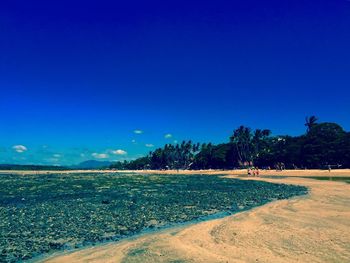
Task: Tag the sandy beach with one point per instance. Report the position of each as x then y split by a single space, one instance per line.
312 228
296 173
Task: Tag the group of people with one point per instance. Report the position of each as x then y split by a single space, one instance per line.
280 166
253 171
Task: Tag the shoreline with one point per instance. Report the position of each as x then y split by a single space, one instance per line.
172 227
238 172
157 230
47 213
305 228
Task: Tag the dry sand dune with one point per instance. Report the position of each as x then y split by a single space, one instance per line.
314 228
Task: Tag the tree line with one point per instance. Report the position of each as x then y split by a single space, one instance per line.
323 145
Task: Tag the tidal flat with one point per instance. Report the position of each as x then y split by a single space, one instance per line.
44 213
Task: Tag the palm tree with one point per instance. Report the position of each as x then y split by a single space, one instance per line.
242 138
310 122
266 132
259 140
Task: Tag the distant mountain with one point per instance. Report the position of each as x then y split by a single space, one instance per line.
92 164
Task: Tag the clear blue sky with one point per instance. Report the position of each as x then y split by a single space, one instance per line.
77 78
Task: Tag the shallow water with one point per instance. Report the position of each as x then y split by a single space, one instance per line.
41 214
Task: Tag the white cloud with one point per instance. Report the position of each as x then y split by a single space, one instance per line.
119 152
175 141
100 155
168 136
20 148
57 155
138 131
133 141
149 145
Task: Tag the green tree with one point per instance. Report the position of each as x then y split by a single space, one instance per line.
310 122
242 139
322 145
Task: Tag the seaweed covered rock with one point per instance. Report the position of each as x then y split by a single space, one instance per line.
45 213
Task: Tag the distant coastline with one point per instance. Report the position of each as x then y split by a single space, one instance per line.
239 172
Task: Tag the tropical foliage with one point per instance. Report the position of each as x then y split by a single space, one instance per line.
323 145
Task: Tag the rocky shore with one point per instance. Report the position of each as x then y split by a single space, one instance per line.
43 213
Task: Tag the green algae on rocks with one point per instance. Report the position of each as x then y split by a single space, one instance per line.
45 213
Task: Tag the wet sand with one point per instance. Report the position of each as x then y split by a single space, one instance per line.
313 228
